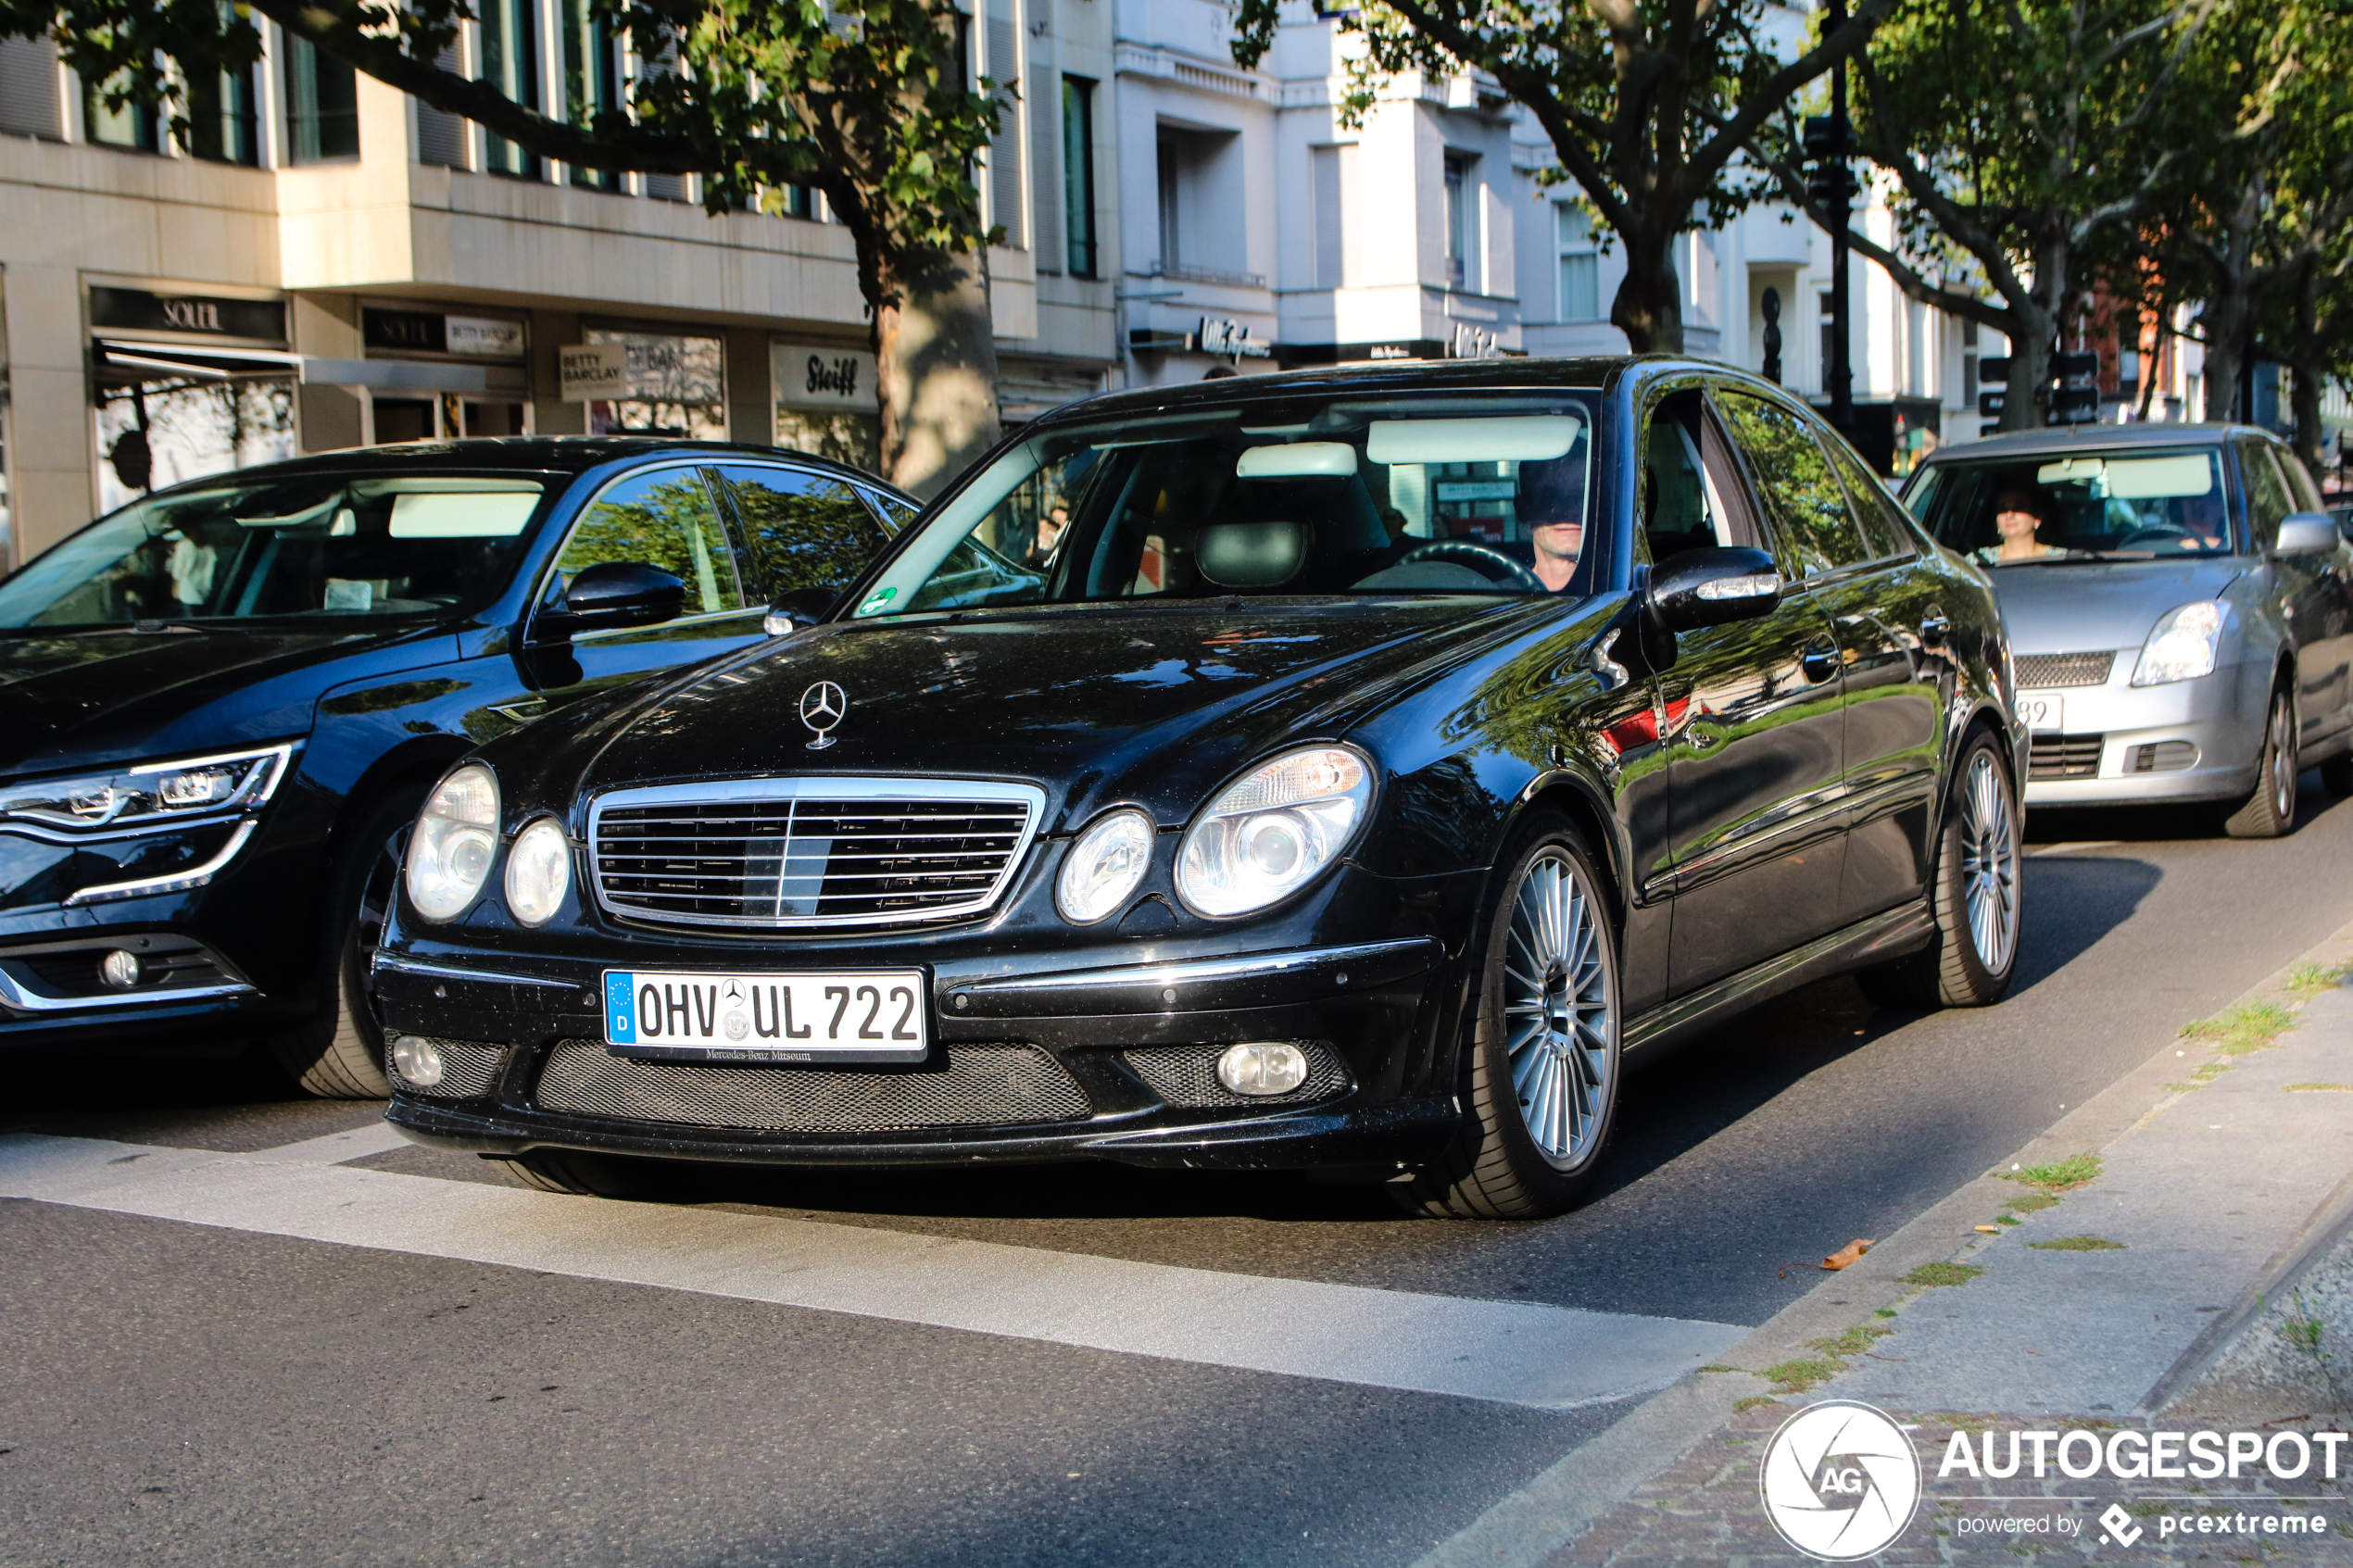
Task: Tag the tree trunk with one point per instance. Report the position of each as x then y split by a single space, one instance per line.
1649 305
2026 396
935 363
2308 368
2225 323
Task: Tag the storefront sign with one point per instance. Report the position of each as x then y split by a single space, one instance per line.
115 310
1291 354
430 331
812 377
593 371
1228 339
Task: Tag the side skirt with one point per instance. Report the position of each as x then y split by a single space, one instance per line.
1866 942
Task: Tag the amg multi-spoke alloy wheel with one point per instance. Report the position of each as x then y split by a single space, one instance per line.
1542 1083
1973 891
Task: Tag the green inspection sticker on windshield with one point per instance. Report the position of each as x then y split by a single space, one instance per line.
876 599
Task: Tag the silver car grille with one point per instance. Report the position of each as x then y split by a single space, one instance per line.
786 854
2042 671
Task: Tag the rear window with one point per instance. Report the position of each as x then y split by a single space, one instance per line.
317 547
2138 503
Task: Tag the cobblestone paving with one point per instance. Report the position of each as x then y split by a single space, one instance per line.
1704 1509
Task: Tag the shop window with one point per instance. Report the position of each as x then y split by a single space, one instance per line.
128 125
855 439
323 106
664 519
801 530
1580 264
509 34
155 432
1078 175
677 386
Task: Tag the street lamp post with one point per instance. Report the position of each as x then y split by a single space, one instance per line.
1829 142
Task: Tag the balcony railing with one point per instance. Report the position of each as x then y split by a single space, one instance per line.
1184 272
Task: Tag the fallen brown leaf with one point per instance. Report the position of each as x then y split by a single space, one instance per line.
1849 1254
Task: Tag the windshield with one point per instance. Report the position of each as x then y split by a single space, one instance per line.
1478 493
2133 505
321 546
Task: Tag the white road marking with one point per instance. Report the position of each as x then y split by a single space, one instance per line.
358 1143
1521 1353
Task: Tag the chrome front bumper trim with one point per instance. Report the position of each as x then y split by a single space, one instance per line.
393 962
1250 980
21 998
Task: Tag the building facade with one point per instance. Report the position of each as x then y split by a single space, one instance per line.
322 263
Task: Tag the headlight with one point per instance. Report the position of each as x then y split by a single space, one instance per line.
538 872
1103 866
2183 647
151 794
1273 830
457 838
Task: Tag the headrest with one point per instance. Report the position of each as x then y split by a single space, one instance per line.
1251 555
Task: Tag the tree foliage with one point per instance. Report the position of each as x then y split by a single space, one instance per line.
1648 105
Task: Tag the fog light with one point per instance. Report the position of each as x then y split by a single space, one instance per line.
120 969
418 1061
1263 1067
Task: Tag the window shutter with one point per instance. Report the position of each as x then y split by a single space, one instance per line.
29 101
441 136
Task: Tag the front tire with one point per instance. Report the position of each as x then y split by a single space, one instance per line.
1543 1078
1975 897
338 1053
2269 812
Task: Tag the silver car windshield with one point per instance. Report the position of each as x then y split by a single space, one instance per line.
319 547
2137 503
1327 496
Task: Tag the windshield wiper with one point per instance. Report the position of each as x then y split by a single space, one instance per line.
2063 557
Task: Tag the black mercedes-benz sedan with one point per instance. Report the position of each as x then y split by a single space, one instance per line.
1345 769
222 706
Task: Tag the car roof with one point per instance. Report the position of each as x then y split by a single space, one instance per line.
1516 373
521 454
2093 438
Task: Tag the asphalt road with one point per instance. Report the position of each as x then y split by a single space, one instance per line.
238 1391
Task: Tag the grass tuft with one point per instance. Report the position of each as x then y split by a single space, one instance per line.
2318 1088
2309 980
2243 1028
2077 1244
1741 1407
1883 1311
1797 1376
2059 1176
1855 1341
2008 1219
2035 1202
1931 1274
1718 1366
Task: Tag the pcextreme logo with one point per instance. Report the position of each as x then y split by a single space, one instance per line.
1840 1480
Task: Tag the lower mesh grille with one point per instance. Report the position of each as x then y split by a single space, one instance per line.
469 1067
2044 670
2064 757
982 1086
1186 1076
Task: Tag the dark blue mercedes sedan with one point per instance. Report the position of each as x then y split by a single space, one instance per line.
222 706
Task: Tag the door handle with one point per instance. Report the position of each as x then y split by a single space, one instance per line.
1934 628
1820 660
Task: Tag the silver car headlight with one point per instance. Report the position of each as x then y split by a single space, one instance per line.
1103 866
456 841
2182 645
538 872
1272 831
147 795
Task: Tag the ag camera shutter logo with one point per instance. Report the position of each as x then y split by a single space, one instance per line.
1840 1480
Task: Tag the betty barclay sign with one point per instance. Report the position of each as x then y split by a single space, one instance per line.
808 376
593 371
1841 1481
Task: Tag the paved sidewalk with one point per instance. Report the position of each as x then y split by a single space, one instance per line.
2195 1271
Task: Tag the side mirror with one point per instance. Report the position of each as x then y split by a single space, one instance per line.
613 593
1711 587
2307 533
801 607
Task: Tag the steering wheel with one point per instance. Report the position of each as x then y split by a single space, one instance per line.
2153 539
1492 563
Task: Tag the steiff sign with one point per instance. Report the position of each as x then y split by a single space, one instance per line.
593 372
807 376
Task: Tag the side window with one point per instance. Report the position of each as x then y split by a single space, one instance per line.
1881 518
896 514
2267 501
663 518
1794 475
1691 496
2303 495
801 530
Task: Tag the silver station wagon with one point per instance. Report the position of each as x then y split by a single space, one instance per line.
2180 607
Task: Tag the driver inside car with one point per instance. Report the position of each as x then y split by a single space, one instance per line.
1552 505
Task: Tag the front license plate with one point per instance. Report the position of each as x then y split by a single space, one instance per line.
824 1015
2040 712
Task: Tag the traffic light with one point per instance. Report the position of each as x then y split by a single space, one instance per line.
2077 399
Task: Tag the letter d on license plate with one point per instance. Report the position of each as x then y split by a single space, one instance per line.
825 1016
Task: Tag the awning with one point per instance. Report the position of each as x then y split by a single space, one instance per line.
219 362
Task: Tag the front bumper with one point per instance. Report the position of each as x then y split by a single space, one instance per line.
1372 1013
2185 741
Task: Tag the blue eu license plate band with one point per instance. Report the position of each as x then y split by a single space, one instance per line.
829 1017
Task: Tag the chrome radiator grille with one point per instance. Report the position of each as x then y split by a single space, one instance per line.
2042 671
778 854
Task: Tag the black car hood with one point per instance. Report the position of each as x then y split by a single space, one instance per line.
75 699
1149 704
